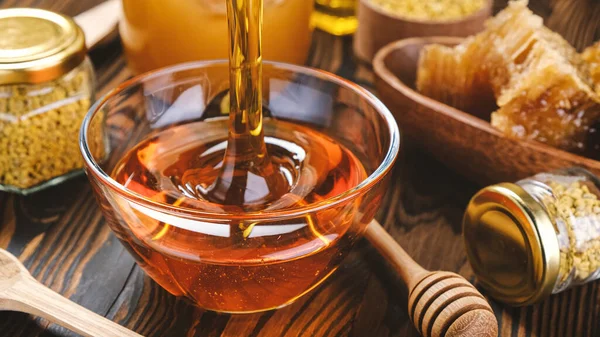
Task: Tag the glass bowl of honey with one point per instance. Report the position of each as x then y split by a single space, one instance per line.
331 143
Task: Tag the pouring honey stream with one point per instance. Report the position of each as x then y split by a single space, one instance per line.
248 177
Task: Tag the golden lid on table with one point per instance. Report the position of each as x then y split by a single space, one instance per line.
538 236
38 45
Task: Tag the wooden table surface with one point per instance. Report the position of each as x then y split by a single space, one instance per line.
63 239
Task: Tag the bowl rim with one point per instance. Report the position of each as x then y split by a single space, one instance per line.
364 186
385 74
485 11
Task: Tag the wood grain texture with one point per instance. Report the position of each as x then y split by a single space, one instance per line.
62 239
471 145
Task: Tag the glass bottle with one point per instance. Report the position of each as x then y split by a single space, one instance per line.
337 17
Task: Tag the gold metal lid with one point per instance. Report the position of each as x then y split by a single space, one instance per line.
38 45
511 244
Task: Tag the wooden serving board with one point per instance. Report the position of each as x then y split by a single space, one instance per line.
63 240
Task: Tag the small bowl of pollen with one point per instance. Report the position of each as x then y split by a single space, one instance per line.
383 21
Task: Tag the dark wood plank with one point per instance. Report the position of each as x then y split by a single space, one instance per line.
63 240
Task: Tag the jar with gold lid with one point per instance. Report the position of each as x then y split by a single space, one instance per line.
46 87
536 237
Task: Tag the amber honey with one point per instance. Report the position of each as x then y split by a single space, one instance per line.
236 169
240 265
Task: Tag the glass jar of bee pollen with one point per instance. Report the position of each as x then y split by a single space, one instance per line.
46 88
536 237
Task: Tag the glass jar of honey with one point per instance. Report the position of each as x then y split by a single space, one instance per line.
157 33
536 237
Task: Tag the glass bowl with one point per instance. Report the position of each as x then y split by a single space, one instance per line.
283 254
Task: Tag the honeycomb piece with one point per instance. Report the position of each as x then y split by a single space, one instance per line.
481 65
547 101
591 55
446 74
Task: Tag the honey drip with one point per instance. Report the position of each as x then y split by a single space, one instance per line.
247 176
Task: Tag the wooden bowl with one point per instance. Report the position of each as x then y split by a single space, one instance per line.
377 28
460 140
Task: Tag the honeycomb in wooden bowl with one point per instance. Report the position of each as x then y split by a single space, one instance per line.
534 84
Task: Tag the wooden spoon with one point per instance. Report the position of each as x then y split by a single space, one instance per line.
440 304
19 291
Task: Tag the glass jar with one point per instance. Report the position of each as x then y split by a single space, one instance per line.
46 88
158 33
536 237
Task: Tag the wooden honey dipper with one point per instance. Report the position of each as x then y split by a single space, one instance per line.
19 291
440 304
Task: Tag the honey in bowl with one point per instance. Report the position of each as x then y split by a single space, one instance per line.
298 166
241 214
249 268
